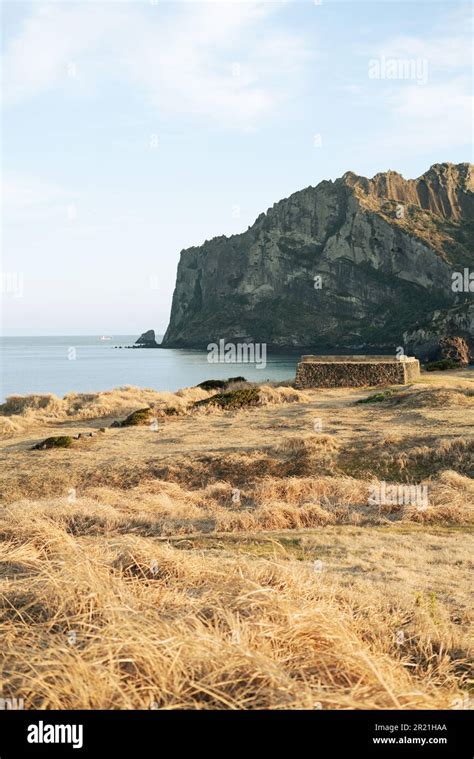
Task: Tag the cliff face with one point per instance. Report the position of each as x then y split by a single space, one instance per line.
353 263
424 339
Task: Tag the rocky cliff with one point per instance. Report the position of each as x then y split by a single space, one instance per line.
424 339
349 264
147 340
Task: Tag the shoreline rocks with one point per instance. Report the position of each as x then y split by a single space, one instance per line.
146 340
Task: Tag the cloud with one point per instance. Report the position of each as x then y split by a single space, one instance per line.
435 112
432 117
220 61
442 53
231 62
26 198
52 37
24 192
446 45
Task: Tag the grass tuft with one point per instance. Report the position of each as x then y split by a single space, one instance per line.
139 417
60 441
234 399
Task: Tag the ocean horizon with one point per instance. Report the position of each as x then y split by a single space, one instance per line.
61 364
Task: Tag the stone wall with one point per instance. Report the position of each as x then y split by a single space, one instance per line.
412 370
355 371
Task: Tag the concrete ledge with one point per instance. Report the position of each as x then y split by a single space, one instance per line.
324 359
355 371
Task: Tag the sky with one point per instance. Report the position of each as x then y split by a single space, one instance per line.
133 130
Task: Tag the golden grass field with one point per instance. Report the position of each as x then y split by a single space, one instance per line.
231 559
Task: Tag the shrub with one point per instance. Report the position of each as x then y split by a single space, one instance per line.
219 384
171 411
142 416
377 398
212 384
234 399
442 365
61 441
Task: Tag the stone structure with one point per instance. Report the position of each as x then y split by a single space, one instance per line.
355 371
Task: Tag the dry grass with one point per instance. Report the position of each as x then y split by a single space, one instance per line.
124 622
21 413
463 395
232 559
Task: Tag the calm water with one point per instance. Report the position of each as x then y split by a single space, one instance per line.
47 365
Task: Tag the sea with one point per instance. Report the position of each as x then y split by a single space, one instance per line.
87 363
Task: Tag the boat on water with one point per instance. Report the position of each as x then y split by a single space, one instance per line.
105 337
